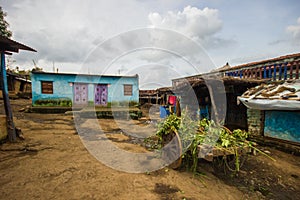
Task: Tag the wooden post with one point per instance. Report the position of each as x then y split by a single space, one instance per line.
260 72
257 73
280 71
285 71
291 70
297 70
11 130
274 72
178 109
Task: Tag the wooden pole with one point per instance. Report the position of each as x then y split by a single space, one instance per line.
291 70
178 109
297 70
11 130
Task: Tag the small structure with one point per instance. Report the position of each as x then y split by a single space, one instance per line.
159 96
79 90
19 85
274 111
148 96
7 46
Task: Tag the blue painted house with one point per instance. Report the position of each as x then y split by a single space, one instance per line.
64 89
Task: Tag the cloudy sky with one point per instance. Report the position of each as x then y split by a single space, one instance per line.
158 39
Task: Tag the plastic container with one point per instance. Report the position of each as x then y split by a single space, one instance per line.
164 111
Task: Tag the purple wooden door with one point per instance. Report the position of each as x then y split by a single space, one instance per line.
80 94
101 94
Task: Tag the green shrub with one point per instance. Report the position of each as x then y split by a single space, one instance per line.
61 102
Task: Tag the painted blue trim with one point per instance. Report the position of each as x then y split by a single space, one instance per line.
265 71
4 75
270 72
283 125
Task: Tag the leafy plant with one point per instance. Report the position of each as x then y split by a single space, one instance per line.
194 133
168 126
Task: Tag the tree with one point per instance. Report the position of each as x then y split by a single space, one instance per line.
4 25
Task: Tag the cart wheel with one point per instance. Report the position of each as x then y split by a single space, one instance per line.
172 149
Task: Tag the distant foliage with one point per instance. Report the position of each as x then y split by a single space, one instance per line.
37 69
4 25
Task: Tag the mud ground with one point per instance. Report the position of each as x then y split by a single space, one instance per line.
53 163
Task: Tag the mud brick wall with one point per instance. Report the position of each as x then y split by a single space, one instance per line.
255 122
3 127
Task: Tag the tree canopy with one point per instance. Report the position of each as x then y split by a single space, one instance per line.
4 25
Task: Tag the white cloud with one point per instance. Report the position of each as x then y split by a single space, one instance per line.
66 32
294 31
200 25
136 50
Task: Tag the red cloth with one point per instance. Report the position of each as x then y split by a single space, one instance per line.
172 100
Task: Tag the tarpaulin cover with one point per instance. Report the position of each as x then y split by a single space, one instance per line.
275 96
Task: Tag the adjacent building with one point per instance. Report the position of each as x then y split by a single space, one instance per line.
19 85
196 96
275 69
236 80
274 110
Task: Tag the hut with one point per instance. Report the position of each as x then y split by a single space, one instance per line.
8 46
19 85
202 105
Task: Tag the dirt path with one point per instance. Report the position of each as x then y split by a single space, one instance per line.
52 163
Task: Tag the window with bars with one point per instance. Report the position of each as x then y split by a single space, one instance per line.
127 90
47 87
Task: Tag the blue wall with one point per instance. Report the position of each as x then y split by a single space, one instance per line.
283 125
63 86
